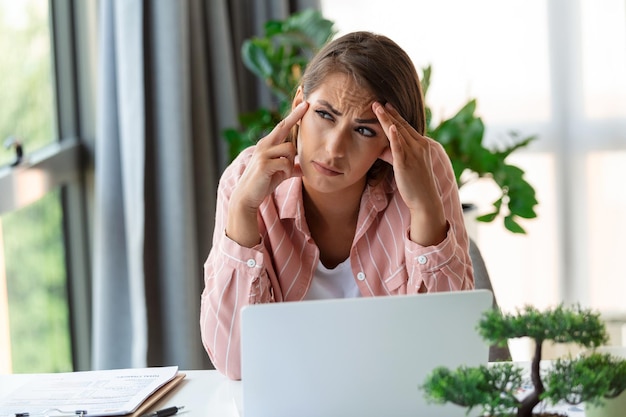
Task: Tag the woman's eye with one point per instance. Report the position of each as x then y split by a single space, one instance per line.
324 114
365 131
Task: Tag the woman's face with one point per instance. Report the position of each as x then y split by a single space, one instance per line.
339 136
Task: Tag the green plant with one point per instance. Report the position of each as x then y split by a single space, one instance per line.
588 378
462 137
279 59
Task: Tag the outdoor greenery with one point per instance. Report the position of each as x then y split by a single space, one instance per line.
589 378
279 59
35 271
26 73
32 236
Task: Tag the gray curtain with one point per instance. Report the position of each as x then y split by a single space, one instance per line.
170 80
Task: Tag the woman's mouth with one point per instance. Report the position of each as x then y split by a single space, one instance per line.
325 169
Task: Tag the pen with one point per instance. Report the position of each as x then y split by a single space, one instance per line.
164 413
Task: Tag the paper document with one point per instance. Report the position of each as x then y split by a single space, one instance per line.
97 393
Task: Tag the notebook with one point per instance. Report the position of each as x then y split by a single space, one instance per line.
361 357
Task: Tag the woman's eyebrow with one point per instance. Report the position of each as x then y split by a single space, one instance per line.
336 112
330 107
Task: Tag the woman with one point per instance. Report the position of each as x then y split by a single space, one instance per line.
344 198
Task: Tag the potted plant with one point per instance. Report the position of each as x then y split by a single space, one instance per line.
592 377
279 58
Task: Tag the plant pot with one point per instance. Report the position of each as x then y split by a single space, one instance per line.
614 407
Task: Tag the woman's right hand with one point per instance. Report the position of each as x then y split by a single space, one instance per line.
272 162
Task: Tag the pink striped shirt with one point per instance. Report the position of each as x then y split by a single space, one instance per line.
383 259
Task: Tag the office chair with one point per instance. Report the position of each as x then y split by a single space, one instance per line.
482 281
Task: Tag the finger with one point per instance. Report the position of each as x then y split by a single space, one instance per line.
281 130
393 113
271 173
396 142
387 112
390 127
398 121
404 128
382 116
389 118
281 150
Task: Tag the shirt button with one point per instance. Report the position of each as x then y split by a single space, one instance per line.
251 263
421 259
360 276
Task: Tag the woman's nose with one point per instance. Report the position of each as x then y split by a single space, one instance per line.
336 143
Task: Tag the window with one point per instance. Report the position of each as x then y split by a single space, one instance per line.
47 108
551 68
26 71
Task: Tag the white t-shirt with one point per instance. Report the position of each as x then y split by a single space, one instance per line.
333 283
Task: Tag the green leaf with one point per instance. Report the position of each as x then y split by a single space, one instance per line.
255 58
588 378
521 207
488 217
425 80
314 28
467 111
517 144
492 388
273 27
513 226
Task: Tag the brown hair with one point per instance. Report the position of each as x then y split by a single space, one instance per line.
378 64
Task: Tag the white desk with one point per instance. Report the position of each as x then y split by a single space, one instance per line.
208 393
202 393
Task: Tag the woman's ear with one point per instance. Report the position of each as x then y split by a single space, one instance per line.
297 98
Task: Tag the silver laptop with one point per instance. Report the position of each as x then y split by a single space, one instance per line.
357 357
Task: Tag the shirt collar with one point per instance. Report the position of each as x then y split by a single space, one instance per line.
288 198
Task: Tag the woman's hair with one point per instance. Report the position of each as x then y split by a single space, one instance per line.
378 64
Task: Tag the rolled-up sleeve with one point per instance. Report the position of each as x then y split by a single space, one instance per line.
446 266
234 276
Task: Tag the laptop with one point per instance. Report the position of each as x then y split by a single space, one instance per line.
360 357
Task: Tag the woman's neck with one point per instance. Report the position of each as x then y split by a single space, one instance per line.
332 207
332 220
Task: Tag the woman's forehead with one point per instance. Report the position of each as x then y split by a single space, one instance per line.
344 93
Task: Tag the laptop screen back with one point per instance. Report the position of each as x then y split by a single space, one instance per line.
357 357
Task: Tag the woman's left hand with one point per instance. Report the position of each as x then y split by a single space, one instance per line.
409 154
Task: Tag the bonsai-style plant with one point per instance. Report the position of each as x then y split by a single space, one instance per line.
590 377
279 59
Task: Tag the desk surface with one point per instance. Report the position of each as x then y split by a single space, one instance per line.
202 393
205 393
